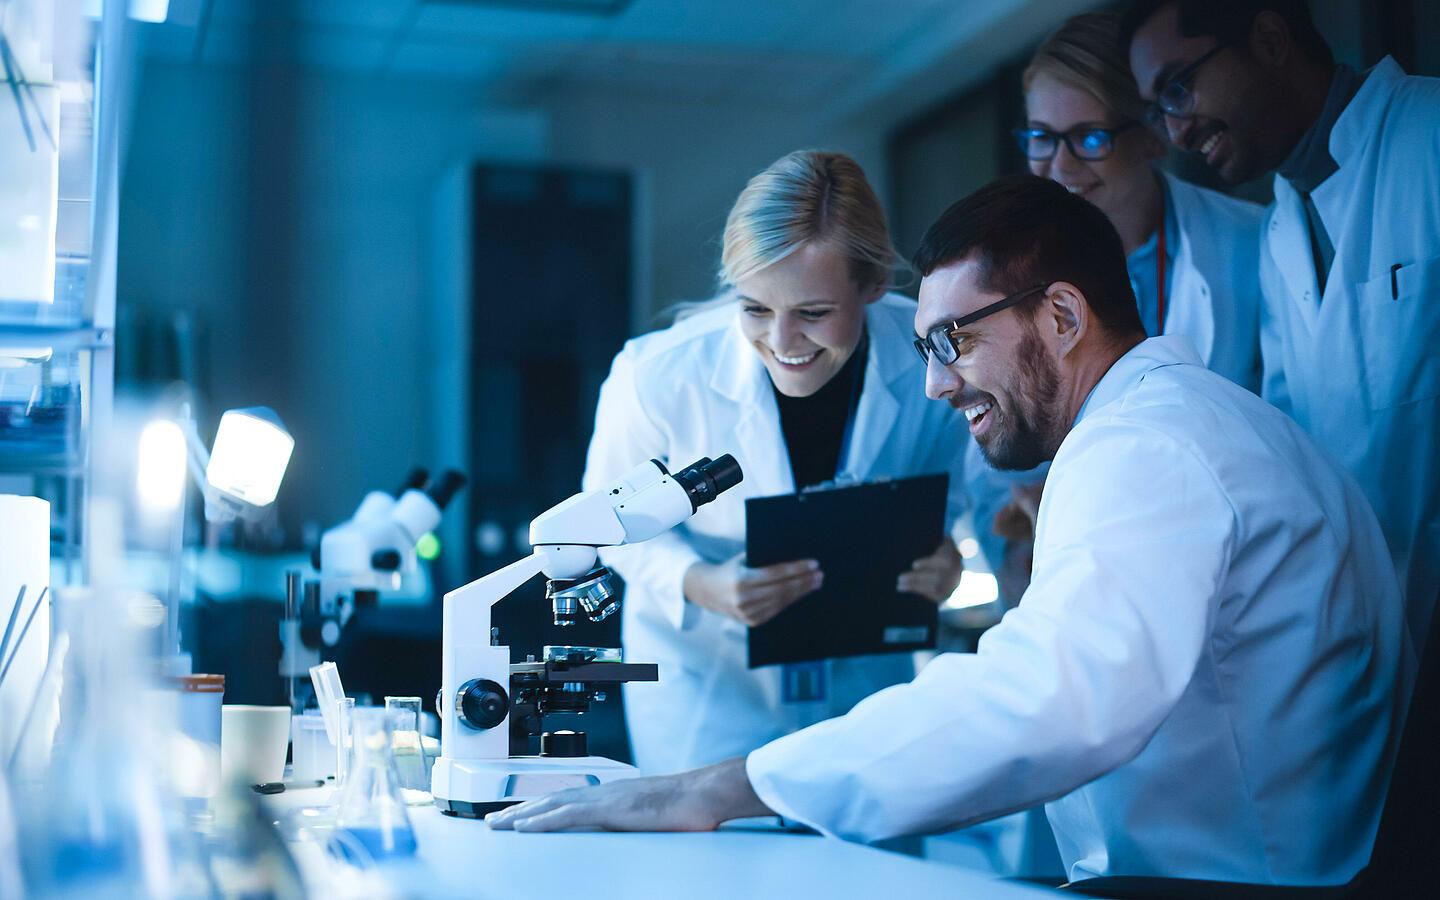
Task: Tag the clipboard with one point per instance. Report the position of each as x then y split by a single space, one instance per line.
864 537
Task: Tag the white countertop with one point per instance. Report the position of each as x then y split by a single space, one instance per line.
464 858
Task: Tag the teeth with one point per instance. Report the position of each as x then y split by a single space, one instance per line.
797 360
1075 189
1210 143
974 412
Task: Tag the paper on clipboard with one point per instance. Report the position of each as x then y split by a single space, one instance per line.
864 537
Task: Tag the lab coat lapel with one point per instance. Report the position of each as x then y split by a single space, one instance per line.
1288 243
1191 311
879 408
740 376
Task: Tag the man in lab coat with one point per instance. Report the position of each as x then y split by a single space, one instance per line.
1205 676
1350 262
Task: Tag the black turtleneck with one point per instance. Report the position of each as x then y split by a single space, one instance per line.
814 426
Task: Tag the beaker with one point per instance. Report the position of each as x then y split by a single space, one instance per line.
370 819
410 756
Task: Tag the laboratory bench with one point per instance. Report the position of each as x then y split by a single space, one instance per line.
464 858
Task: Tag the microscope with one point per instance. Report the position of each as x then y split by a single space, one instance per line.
367 553
485 701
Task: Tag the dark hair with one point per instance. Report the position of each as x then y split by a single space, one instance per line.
1026 231
1229 21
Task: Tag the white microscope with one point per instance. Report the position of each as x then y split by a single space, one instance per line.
356 560
482 695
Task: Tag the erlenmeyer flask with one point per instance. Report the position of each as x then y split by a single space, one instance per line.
370 819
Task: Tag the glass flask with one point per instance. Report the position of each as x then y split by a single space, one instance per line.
370 819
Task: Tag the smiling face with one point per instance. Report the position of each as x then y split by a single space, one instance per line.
1005 379
804 315
1121 180
1239 123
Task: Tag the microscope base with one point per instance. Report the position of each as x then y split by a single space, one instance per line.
473 788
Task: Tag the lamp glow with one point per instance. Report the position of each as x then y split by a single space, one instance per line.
250 454
160 471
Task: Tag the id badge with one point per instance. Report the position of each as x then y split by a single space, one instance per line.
802 682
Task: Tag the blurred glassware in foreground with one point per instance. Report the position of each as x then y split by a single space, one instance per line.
411 761
370 819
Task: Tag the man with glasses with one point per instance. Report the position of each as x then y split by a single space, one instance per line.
1208 591
1350 262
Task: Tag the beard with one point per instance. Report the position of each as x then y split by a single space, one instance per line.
1026 438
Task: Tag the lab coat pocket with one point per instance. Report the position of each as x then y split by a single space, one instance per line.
1400 318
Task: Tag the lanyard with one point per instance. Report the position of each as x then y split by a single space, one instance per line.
1160 272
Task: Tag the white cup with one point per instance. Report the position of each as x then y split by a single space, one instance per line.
252 742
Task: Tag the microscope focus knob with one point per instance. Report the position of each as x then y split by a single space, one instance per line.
481 704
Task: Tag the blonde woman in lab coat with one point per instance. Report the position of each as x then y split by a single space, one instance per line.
804 370
1192 253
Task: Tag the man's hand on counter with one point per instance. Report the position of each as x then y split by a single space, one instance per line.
698 800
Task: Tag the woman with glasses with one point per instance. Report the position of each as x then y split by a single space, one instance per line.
1192 253
804 370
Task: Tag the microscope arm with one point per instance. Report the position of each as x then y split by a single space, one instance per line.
467 609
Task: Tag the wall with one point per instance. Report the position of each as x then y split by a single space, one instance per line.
290 213
693 159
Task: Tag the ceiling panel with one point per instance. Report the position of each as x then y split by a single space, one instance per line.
840 55
871 28
678 72
715 22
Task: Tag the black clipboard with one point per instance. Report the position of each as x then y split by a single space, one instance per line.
864 537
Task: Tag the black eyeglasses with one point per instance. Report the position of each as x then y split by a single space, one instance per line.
1175 97
940 340
1089 142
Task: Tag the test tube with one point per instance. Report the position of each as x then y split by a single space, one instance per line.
344 729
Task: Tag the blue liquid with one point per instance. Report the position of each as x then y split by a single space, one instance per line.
379 843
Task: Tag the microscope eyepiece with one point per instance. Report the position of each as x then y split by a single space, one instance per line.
450 484
706 479
416 480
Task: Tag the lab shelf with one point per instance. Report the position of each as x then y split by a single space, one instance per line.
57 337
57 357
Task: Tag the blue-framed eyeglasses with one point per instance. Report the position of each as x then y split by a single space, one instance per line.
940 340
1090 142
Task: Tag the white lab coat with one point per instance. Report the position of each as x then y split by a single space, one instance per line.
699 389
1203 680
1213 299
1359 368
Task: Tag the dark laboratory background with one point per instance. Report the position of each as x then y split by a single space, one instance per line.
421 230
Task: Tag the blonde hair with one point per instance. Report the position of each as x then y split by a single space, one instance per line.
1085 53
806 196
